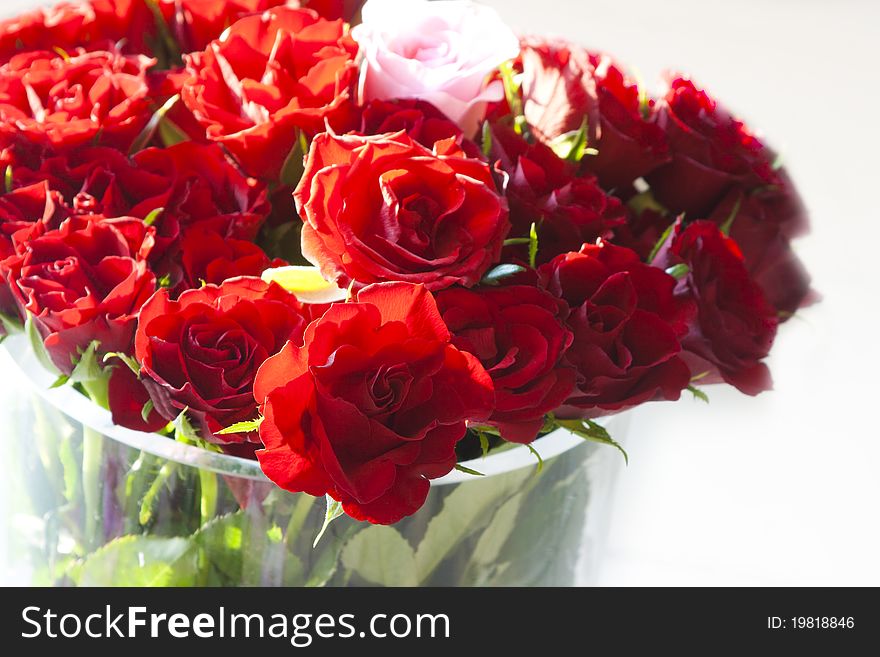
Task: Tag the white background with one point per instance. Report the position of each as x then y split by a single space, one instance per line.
782 489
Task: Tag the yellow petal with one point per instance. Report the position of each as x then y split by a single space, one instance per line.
306 283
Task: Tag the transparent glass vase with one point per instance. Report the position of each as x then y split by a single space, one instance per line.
92 504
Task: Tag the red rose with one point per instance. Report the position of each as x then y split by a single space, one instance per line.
76 24
347 10
763 224
271 75
711 150
371 406
192 183
386 208
25 206
64 101
644 227
543 189
202 351
208 257
735 324
518 334
422 121
626 324
81 282
565 85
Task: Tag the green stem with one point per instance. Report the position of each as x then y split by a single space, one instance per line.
146 512
208 490
91 481
300 512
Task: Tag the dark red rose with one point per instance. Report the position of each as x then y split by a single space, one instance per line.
128 397
202 351
83 281
762 223
643 229
208 257
626 324
386 208
711 151
370 407
518 334
543 189
193 184
735 324
566 87
270 76
347 10
422 121
65 101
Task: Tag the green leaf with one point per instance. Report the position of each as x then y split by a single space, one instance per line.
294 163
660 242
60 381
146 135
466 510
646 201
129 361
462 468
698 394
497 274
88 368
241 427
572 146
678 271
512 85
537 456
8 178
138 561
11 324
533 244
146 410
503 523
701 375
171 54
382 556
146 511
728 223
170 133
484 442
36 341
590 430
514 241
334 510
150 219
184 431
487 139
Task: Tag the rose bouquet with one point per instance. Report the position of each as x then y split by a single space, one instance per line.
357 257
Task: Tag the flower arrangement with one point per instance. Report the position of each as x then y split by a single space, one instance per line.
361 255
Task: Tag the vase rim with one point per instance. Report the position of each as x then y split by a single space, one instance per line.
74 405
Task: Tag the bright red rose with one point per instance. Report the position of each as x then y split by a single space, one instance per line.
735 324
370 407
83 281
422 121
202 351
268 77
23 207
517 332
565 85
208 257
626 324
70 25
386 208
64 101
543 189
762 225
712 152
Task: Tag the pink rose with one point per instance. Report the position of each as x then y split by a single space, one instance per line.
441 52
